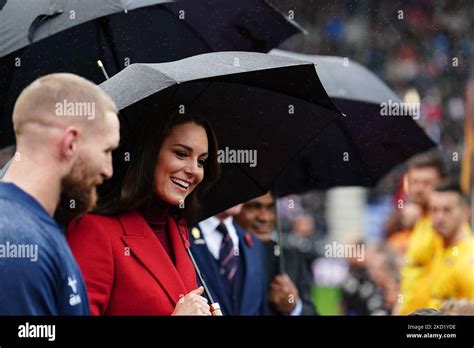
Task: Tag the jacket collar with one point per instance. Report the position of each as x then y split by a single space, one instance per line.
207 263
175 279
210 269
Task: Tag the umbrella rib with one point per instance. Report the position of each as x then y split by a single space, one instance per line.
238 166
149 67
355 149
108 38
209 83
292 22
205 43
263 189
307 143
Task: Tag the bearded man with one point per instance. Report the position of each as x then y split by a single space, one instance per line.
66 128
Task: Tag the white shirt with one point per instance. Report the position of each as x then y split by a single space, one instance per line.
214 238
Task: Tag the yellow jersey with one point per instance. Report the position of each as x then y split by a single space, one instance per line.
452 274
424 243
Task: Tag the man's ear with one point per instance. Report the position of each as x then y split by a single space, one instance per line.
69 142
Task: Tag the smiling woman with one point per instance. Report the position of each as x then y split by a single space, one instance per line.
132 249
184 149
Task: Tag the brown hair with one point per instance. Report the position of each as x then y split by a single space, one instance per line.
452 185
429 160
133 186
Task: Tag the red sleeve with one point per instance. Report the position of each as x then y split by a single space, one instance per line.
90 244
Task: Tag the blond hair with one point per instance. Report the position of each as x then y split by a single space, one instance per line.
60 100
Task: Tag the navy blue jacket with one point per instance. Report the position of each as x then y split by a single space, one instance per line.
38 274
253 296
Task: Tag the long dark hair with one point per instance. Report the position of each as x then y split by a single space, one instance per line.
132 187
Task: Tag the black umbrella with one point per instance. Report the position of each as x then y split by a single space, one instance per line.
45 36
246 97
357 149
361 147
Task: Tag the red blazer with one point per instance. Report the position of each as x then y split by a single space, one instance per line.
126 270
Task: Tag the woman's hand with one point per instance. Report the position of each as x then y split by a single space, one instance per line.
192 304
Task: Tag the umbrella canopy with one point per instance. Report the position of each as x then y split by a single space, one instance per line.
359 148
246 97
343 78
23 23
45 36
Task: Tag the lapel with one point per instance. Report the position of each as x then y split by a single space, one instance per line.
250 297
146 247
210 270
180 242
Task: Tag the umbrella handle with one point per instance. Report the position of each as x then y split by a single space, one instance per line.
216 309
281 258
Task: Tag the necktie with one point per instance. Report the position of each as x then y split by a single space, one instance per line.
227 258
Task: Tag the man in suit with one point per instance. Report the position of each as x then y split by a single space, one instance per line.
289 293
232 262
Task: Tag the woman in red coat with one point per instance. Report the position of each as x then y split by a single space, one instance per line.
131 251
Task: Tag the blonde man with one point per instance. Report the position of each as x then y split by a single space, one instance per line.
66 128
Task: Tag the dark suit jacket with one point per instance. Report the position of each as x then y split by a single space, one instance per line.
297 269
254 299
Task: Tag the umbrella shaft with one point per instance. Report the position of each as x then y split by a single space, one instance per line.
201 278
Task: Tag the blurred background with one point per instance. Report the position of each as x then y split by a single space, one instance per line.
424 50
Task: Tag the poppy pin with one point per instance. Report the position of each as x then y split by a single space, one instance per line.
248 239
